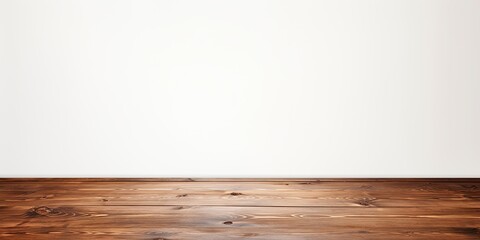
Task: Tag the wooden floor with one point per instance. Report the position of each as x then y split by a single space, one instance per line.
326 209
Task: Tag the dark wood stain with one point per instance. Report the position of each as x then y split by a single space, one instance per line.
261 209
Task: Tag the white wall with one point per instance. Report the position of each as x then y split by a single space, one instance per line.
250 88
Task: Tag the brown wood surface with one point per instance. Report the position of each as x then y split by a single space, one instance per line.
186 208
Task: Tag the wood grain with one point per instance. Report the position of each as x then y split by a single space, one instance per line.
239 208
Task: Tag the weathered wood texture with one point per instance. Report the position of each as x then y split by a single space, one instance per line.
330 209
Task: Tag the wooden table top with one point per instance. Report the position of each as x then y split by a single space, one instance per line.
210 209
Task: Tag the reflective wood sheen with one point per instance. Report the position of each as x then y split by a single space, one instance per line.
186 208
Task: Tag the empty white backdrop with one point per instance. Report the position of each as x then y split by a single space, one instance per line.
251 88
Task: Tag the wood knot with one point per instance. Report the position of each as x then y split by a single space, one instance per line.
47 196
182 195
181 207
366 202
41 212
236 194
104 200
228 222
44 211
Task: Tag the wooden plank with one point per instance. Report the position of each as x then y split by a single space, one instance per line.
235 234
76 211
467 186
206 219
315 194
